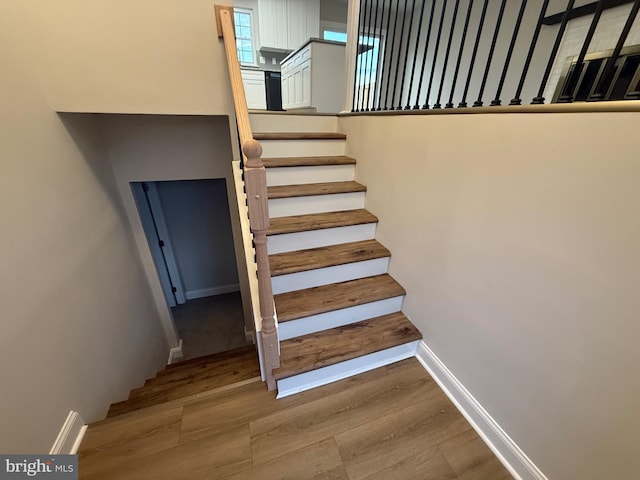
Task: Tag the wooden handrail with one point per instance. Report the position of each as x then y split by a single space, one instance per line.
255 178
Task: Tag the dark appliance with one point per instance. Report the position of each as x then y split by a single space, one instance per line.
274 90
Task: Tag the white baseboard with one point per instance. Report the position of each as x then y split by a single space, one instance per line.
70 436
507 451
208 292
175 354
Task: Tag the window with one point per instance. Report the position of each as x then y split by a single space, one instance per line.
334 36
244 41
623 83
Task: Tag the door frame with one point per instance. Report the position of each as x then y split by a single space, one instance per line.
160 244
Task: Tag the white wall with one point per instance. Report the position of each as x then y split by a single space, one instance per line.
79 326
199 224
162 147
518 241
145 56
333 11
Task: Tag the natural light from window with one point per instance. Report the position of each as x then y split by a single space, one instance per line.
334 36
244 41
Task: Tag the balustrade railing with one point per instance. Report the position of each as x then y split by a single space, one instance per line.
419 54
255 182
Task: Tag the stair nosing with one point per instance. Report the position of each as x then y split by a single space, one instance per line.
314 189
360 211
299 136
333 260
284 316
317 161
400 321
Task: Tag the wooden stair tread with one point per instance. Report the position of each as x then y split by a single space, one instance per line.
192 378
307 161
212 358
319 221
328 347
300 136
193 366
309 189
327 298
322 257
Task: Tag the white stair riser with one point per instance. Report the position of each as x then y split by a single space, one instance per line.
328 275
337 318
288 242
348 368
301 148
284 207
274 123
304 175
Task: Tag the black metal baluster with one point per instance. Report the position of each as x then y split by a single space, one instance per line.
571 84
446 56
393 41
395 83
604 84
496 101
361 59
483 15
355 74
462 42
382 63
372 95
415 55
424 54
478 103
527 63
435 53
406 54
539 99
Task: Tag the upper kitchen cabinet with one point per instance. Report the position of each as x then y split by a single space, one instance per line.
287 24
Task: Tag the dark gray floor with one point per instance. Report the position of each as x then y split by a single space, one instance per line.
210 324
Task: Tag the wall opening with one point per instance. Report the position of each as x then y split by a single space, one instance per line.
188 227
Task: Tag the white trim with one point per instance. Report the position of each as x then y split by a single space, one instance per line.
76 444
208 292
175 354
507 451
163 233
348 368
353 17
70 435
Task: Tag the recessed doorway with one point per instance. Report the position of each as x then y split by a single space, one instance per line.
188 228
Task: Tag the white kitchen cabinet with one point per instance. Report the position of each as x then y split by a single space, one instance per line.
314 77
287 24
273 15
254 90
304 22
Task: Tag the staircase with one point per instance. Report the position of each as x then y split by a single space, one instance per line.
339 311
181 381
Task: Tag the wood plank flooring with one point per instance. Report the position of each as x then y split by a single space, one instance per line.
327 298
192 377
322 257
392 423
318 221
